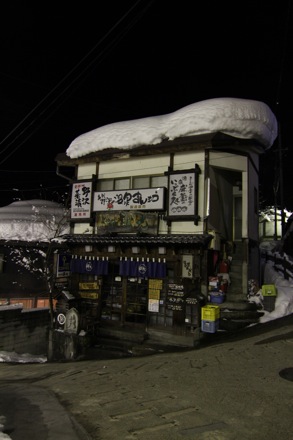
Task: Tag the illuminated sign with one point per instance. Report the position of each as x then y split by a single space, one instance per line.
81 200
130 199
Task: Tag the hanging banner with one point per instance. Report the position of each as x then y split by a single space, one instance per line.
142 269
81 200
90 267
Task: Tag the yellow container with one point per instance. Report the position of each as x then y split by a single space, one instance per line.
210 313
269 290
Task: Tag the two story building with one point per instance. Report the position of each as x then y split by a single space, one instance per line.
158 207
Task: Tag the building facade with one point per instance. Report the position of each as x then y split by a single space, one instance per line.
151 226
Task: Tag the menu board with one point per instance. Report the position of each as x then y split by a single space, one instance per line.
175 296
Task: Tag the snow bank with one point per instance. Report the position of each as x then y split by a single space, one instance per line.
284 299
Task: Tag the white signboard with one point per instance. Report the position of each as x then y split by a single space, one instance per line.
187 266
130 199
81 200
181 194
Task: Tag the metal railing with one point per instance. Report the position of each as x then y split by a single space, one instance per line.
282 263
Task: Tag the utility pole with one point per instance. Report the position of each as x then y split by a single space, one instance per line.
280 154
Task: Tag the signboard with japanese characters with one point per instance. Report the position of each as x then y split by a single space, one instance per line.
175 297
183 194
147 199
187 266
81 200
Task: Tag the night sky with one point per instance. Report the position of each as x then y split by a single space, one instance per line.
67 69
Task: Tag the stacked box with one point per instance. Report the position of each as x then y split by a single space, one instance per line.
209 326
210 312
210 316
269 293
269 290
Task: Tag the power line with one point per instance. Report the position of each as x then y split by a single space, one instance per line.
38 114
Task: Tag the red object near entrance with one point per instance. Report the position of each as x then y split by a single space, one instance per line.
224 267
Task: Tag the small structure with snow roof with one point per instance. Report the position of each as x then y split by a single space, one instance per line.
26 230
167 203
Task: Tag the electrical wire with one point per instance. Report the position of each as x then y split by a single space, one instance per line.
38 114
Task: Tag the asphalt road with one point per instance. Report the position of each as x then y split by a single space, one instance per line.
233 387
30 412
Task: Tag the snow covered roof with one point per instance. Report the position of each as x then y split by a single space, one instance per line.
28 209
32 220
240 118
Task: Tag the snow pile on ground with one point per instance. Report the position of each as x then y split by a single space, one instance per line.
284 298
240 118
24 358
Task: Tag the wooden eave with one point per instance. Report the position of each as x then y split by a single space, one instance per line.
168 240
188 143
23 243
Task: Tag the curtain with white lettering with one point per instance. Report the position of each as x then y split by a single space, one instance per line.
142 269
90 266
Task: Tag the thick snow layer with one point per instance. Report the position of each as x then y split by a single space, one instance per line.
241 118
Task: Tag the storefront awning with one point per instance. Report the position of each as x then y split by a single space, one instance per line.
197 240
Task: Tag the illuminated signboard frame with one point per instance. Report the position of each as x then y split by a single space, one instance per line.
146 199
183 195
81 200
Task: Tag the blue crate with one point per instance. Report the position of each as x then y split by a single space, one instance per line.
209 326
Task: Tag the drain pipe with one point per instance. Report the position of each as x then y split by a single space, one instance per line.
62 175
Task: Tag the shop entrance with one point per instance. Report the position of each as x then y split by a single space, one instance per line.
136 300
124 299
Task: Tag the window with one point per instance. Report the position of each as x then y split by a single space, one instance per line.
112 184
141 182
149 182
159 181
105 185
134 183
122 183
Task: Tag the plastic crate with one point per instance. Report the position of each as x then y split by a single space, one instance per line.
210 313
269 290
217 297
209 326
269 303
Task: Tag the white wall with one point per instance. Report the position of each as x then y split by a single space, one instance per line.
134 167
